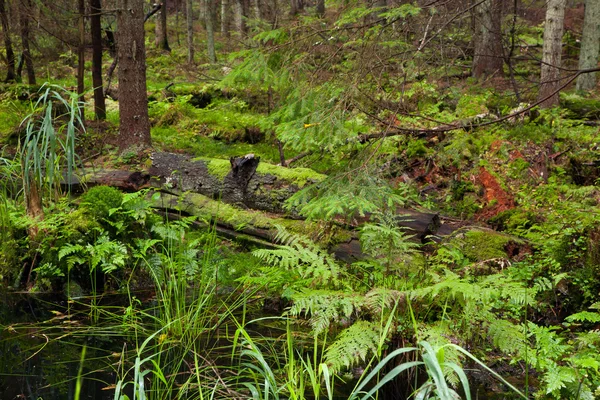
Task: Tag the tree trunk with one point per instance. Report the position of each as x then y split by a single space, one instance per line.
225 17
590 45
96 31
210 30
190 29
162 41
240 15
10 55
134 129
257 10
321 8
488 58
27 59
81 56
552 53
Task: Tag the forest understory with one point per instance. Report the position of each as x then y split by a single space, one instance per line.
350 202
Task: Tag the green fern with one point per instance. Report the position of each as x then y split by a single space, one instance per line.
324 307
352 346
301 255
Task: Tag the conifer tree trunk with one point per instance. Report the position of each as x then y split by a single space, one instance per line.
189 10
240 15
590 45
161 39
81 55
96 33
134 128
488 58
24 12
257 10
225 17
552 53
10 55
210 30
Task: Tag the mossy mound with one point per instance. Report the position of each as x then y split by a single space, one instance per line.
480 244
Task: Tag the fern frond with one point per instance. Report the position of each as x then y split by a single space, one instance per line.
324 306
508 337
352 346
301 255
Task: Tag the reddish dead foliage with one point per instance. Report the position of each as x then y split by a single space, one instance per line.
497 199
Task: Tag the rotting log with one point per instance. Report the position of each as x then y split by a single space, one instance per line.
243 181
259 228
255 227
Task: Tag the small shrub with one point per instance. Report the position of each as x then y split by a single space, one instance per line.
99 200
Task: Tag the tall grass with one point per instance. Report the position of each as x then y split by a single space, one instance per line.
49 144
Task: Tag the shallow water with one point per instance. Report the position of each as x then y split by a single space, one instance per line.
40 355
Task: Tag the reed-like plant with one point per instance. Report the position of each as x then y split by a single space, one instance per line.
48 148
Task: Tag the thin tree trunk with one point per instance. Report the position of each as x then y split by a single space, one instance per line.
81 56
257 10
96 31
210 30
162 41
240 15
134 128
10 55
27 59
488 58
552 53
190 29
225 17
590 45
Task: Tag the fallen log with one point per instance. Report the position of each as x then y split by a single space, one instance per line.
242 181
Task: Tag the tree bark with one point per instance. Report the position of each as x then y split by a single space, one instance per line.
225 17
210 30
488 58
257 10
96 33
81 56
10 55
190 29
590 45
134 129
162 41
240 15
27 59
552 53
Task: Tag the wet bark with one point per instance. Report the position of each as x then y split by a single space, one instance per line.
10 55
134 129
488 58
24 12
96 33
590 45
552 53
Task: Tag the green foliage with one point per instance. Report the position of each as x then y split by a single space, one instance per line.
46 150
387 242
307 262
346 196
100 200
352 346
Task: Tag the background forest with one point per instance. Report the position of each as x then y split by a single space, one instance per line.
335 199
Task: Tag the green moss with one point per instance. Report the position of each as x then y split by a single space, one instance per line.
298 176
217 167
99 200
481 245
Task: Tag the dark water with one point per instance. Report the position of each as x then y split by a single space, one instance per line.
42 339
40 353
